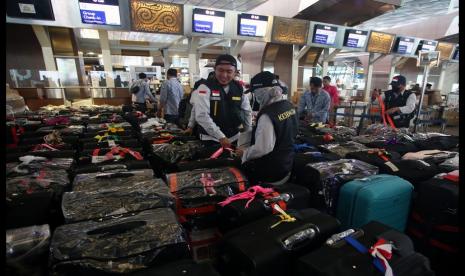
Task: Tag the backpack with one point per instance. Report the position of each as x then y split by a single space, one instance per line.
135 88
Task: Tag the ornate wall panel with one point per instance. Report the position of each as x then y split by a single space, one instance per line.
380 42
290 31
445 49
149 16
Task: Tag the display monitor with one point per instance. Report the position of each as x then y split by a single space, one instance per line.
355 38
456 53
33 9
208 21
427 45
380 42
404 45
252 25
324 34
100 12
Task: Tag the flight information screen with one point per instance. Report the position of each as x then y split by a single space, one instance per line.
405 45
100 12
208 21
355 38
324 34
252 25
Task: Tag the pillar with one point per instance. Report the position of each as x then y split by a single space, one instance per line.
369 76
325 62
294 71
106 56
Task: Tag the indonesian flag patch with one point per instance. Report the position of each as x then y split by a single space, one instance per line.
202 92
215 93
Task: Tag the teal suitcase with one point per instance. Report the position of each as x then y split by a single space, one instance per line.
383 198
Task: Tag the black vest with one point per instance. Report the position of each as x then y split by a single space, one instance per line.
225 109
278 163
390 101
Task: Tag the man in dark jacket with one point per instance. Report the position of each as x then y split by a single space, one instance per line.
400 103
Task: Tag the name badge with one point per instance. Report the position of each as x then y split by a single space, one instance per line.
215 98
236 98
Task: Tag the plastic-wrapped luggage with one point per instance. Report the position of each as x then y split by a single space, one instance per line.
413 171
383 198
104 180
198 191
343 258
257 203
109 155
342 149
434 223
125 244
438 143
185 267
14 157
401 147
325 178
301 159
269 245
30 164
175 152
434 156
112 201
124 143
103 167
450 164
27 250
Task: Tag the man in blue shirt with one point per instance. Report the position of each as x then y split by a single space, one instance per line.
171 93
138 99
314 104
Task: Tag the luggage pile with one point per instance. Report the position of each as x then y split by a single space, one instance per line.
112 192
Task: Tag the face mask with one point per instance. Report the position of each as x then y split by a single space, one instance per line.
395 88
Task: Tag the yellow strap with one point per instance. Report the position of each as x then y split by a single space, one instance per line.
99 138
285 217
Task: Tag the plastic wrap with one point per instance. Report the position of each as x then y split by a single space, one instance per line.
435 156
22 243
113 178
450 164
342 149
173 153
119 245
54 180
199 184
32 164
116 200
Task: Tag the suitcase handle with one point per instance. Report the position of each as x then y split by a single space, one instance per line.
112 167
301 238
117 229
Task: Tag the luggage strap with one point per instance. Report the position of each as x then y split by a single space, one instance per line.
384 115
249 194
381 251
111 154
41 146
284 217
217 153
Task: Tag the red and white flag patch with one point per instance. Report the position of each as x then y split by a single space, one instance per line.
202 92
215 93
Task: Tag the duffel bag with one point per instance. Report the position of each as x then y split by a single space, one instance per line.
117 200
352 255
126 244
269 245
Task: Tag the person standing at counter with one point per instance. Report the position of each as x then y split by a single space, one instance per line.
220 106
171 93
140 91
314 104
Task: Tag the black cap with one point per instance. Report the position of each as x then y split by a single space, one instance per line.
399 80
263 79
226 59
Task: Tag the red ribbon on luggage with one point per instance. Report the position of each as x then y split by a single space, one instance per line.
384 115
217 153
383 250
249 194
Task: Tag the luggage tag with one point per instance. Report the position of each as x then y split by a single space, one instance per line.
391 165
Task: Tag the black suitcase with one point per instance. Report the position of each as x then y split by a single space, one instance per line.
324 180
91 135
41 147
342 149
126 244
109 155
304 158
413 171
126 143
104 180
14 157
376 157
207 163
14 169
438 142
344 259
185 267
92 139
124 165
113 201
70 139
236 214
258 249
399 147
434 223
27 250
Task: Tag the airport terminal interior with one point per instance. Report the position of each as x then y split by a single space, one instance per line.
232 137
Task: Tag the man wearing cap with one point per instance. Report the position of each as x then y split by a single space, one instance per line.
315 103
220 106
271 154
399 102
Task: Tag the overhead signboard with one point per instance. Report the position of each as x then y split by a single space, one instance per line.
290 31
208 21
149 16
427 45
404 46
252 25
380 42
355 38
445 49
30 9
101 12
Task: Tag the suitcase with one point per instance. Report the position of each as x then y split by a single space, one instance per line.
103 180
70 139
105 139
450 164
14 157
198 191
125 143
207 163
186 267
413 171
125 244
109 155
14 169
431 156
377 157
113 201
236 214
399 147
438 142
324 179
342 149
27 250
304 158
40 148
258 249
434 223
344 259
383 198
176 152
124 165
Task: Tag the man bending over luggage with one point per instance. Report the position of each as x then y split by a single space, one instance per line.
270 157
314 104
400 103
